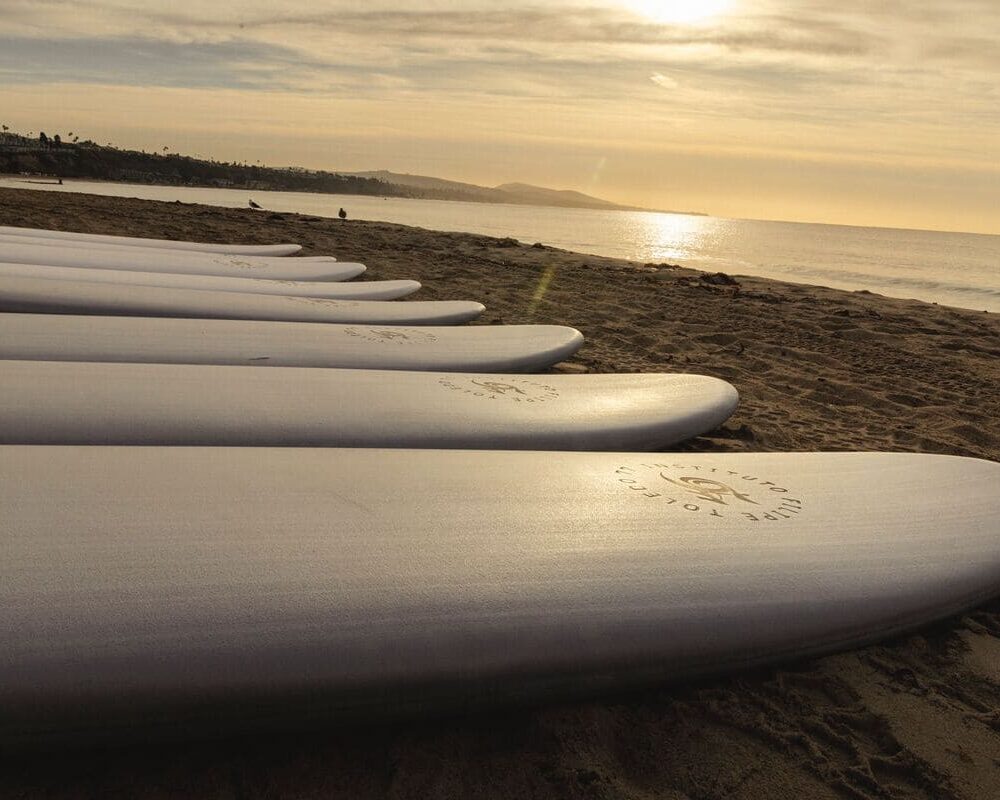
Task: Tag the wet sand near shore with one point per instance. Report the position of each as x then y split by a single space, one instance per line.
917 716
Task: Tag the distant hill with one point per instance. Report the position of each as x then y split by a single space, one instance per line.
567 198
539 195
516 193
65 158
425 182
59 158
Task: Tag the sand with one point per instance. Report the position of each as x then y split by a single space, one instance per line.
818 369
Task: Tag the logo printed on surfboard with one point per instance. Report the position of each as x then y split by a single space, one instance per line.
229 261
517 390
392 335
273 282
324 302
712 491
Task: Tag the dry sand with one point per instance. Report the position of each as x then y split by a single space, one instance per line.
817 369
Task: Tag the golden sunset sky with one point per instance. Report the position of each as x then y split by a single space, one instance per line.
847 111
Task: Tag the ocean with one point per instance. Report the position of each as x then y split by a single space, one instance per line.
955 269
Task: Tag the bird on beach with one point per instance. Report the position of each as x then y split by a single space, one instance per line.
342 214
255 205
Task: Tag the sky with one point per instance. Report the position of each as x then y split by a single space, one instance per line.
866 112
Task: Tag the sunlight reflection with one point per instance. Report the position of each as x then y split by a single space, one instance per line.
671 237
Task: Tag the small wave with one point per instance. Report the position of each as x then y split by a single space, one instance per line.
899 282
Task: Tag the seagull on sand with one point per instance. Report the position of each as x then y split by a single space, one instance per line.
342 214
254 205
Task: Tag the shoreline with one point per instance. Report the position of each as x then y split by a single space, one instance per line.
362 174
8 176
929 268
916 716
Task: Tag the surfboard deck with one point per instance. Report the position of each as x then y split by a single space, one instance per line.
165 244
358 290
149 584
494 348
50 402
45 296
146 259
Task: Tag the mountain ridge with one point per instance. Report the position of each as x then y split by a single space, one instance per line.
516 193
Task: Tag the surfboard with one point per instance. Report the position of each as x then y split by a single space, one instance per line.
146 259
52 402
40 295
493 348
359 290
165 244
199 585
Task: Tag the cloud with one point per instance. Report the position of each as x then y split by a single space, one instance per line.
600 32
901 82
663 81
807 72
151 62
474 23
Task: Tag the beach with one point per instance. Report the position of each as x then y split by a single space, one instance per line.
917 716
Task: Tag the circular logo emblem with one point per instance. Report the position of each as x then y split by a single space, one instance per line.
392 336
694 488
515 390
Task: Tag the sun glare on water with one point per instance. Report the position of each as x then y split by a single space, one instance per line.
679 12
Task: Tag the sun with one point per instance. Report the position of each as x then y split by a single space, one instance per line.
679 12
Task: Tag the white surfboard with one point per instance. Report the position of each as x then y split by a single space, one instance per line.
146 259
40 295
140 583
165 244
52 402
493 348
359 290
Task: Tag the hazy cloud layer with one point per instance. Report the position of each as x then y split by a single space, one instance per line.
906 85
